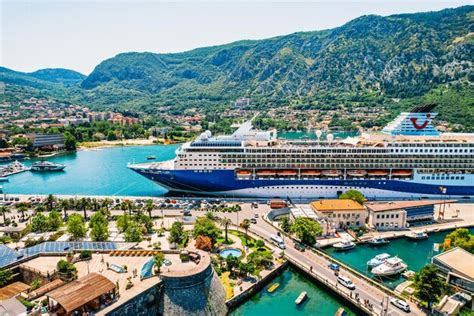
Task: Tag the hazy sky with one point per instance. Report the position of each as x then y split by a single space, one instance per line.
78 35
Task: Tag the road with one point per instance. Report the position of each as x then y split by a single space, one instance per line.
319 264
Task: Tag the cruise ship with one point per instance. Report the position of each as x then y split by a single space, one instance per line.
408 159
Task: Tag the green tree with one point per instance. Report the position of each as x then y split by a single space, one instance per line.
123 222
76 226
50 201
246 225
39 223
176 233
127 205
306 230
54 220
22 207
4 211
69 141
159 260
99 227
64 205
353 195
81 205
5 276
285 224
225 222
40 208
206 227
133 233
429 286
107 203
146 222
66 270
462 238
149 206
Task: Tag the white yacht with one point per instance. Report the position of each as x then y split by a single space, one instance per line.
390 267
417 235
378 260
378 241
344 245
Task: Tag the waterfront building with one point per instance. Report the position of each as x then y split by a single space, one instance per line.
393 215
457 266
47 141
404 162
342 212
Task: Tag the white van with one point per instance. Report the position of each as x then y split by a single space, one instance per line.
277 240
400 304
346 282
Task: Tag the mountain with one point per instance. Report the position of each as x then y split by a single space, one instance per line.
399 56
372 61
44 78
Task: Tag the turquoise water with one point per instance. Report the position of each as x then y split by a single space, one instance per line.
94 172
282 301
230 252
416 254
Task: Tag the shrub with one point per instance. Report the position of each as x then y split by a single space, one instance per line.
85 254
204 243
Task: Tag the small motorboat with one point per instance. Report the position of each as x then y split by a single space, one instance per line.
340 312
378 241
378 260
151 157
3 179
344 245
417 235
301 298
273 287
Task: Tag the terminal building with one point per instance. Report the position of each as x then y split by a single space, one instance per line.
47 141
457 266
395 215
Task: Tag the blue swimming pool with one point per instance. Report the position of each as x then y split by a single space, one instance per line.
230 252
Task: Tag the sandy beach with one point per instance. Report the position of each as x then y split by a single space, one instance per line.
125 142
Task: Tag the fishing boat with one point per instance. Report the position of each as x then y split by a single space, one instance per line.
301 298
378 260
344 245
272 288
357 173
151 157
390 267
417 235
378 241
340 312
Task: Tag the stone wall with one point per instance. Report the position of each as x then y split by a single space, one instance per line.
197 294
144 304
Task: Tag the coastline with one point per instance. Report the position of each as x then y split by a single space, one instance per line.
123 143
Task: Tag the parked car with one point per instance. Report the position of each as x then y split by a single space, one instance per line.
345 281
253 220
400 304
334 266
300 247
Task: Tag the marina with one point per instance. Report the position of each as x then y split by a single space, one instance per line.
292 283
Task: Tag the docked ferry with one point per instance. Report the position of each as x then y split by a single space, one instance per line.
408 159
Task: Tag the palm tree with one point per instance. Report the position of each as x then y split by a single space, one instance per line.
4 210
95 205
127 205
64 205
225 222
149 206
82 205
40 208
50 200
107 203
246 225
22 207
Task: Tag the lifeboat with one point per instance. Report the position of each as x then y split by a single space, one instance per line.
286 172
357 173
401 173
310 172
377 173
266 173
331 173
244 172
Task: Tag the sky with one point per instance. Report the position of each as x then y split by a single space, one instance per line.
79 35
